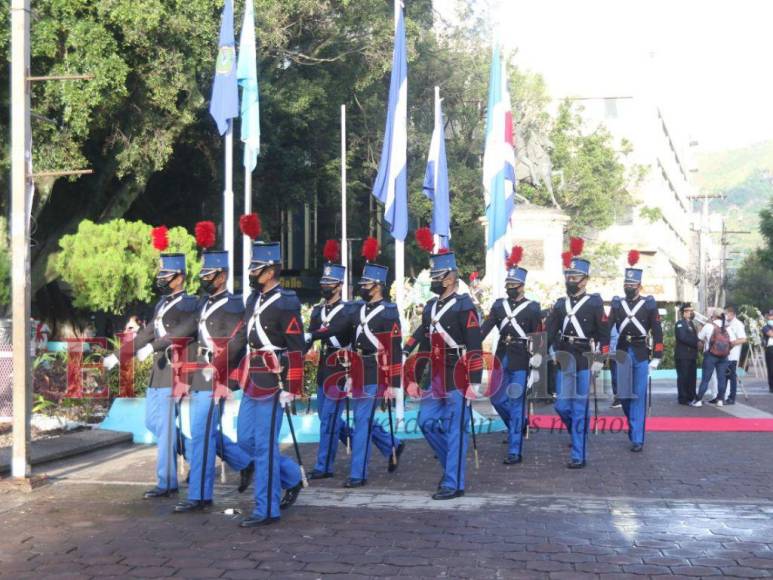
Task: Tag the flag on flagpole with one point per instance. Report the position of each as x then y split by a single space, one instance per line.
436 179
247 76
499 154
224 104
390 187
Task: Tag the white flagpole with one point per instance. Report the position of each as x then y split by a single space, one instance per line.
344 243
436 238
246 241
228 203
400 281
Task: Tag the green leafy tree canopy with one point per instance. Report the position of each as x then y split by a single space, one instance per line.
109 266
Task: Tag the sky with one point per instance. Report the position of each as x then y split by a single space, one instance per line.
707 63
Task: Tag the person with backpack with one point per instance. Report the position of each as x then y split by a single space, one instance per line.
717 339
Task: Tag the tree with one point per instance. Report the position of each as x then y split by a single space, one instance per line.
752 283
112 265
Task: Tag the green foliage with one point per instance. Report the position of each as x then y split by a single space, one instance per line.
605 258
108 266
752 283
5 277
651 214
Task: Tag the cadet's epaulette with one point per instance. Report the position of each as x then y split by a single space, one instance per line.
615 302
317 309
535 307
189 303
289 300
235 304
251 299
560 302
464 302
650 302
596 300
390 310
353 306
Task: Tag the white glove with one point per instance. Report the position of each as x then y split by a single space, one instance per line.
390 393
533 377
207 373
473 391
307 336
144 352
110 361
285 398
535 360
654 363
596 366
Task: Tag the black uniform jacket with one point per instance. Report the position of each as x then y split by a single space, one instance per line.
511 344
630 334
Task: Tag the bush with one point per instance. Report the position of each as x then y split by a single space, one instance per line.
112 265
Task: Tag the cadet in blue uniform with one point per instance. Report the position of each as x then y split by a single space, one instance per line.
331 324
515 317
272 330
577 328
220 315
173 318
636 317
450 333
377 339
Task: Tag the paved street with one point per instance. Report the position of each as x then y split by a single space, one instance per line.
692 505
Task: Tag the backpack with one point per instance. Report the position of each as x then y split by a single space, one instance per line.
719 344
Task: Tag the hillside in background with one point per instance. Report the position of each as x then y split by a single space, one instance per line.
745 178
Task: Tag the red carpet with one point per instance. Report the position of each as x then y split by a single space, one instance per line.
694 424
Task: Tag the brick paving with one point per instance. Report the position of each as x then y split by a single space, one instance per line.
692 505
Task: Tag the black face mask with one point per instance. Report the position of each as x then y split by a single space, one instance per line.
254 284
572 288
630 293
208 286
514 293
436 287
364 293
163 285
327 292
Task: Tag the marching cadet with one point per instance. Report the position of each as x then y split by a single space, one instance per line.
516 317
577 327
376 342
450 333
636 317
331 324
220 315
174 318
272 330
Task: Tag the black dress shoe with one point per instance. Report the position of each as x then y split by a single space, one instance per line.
192 506
637 447
257 522
730 402
512 459
320 474
448 493
291 495
355 482
156 493
245 477
393 465
575 464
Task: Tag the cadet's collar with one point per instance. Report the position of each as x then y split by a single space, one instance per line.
171 297
517 301
270 292
372 305
332 304
218 295
576 298
447 298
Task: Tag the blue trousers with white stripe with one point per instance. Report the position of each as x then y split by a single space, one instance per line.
366 430
635 403
161 420
332 428
509 401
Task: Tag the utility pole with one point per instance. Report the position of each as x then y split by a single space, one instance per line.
21 183
722 291
703 259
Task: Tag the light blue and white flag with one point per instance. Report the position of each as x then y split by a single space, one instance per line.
224 104
436 180
247 75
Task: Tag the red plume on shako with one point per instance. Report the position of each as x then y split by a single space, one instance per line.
160 237
633 257
424 239
516 255
332 251
250 225
205 234
566 257
576 246
370 249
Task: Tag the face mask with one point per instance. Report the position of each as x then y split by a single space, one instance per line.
208 286
163 285
513 293
770 322
364 293
436 287
692 316
254 284
630 293
572 287
327 292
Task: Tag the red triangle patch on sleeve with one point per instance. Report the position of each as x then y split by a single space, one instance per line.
294 327
395 329
472 320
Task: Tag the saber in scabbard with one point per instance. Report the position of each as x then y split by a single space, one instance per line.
295 445
474 438
595 406
649 396
392 431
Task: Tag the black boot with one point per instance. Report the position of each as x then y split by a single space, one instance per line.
447 493
355 482
156 493
576 464
512 459
257 522
320 474
290 496
245 477
192 506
